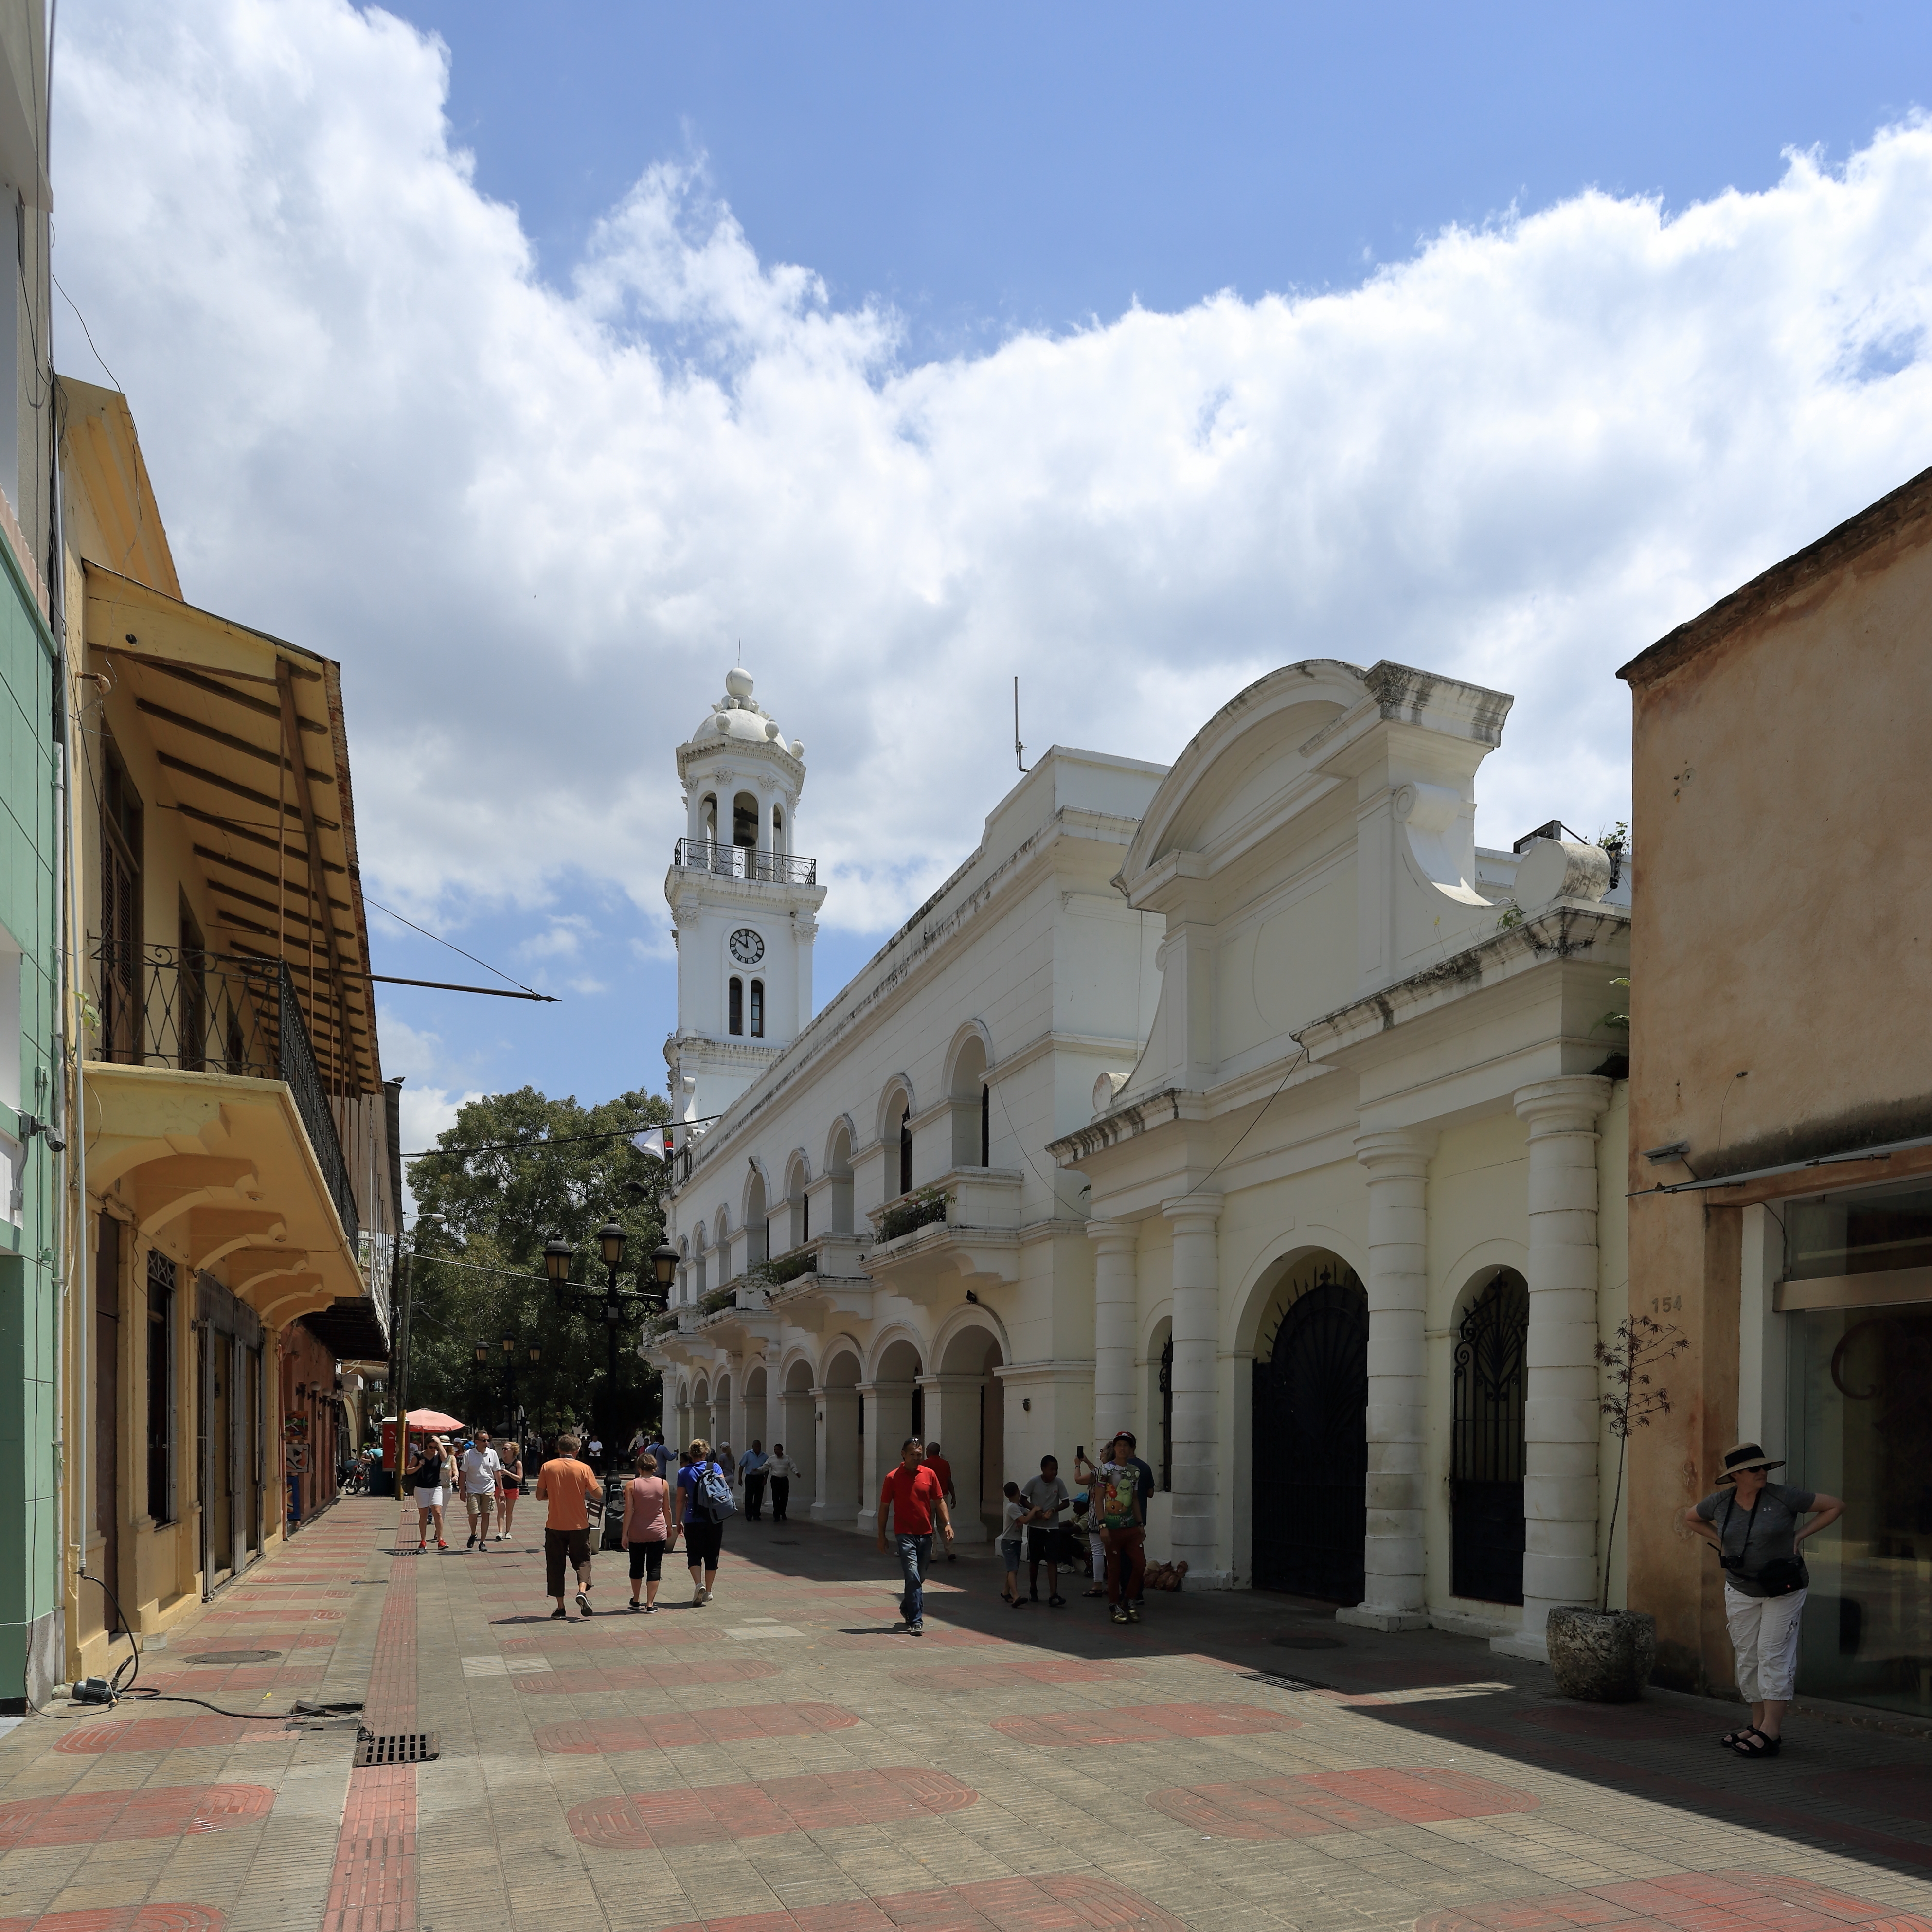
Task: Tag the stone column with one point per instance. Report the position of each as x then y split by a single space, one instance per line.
888 1423
799 1434
1560 1414
1197 1329
1116 1303
838 1454
952 1421
1397 1161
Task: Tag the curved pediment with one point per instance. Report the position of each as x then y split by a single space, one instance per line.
1243 760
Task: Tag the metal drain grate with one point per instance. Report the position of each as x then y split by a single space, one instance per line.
1276 1682
396 1747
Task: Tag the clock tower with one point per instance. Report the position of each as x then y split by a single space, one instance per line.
744 905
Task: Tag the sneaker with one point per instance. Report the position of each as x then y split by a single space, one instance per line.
440 1544
649 1609
583 1604
421 1547
916 1630
1033 1596
1133 1613
1019 1603
1120 1615
1056 1603
697 1596
472 1543
634 1605
559 1614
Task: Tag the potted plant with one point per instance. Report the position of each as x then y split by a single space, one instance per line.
1601 1655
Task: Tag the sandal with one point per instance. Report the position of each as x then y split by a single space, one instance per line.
1754 1743
1095 1591
1729 1739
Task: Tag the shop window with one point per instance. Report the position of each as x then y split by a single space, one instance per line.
1863 1231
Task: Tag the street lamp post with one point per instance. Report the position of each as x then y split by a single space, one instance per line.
617 1308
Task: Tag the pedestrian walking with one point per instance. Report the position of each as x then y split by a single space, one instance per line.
427 1476
568 1487
648 1531
509 1487
1046 1495
594 1449
661 1453
910 1498
781 1469
702 1514
1013 1513
943 1469
1754 1526
753 1466
1115 1489
725 1461
481 1466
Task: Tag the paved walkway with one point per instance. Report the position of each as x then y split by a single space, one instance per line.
783 1759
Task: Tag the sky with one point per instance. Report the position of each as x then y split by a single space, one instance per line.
534 361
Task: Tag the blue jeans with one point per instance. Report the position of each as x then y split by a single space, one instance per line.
915 1552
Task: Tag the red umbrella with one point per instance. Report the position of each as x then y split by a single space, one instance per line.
434 1420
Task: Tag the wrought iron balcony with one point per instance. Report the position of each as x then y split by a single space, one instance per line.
210 1013
744 862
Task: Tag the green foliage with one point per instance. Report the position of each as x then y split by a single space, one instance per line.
1511 915
496 1210
714 1300
916 1210
775 1272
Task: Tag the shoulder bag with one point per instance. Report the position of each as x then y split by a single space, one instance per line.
1781 1576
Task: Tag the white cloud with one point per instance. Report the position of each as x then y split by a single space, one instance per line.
532 522
432 1088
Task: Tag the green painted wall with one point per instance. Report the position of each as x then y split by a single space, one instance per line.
29 1302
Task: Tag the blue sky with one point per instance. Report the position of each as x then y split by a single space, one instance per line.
1138 349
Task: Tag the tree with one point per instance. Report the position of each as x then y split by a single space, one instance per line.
492 1206
1632 1398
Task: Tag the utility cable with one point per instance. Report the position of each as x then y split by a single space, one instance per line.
450 943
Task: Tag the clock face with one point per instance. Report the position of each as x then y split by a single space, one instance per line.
747 948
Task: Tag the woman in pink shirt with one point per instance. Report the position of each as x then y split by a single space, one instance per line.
649 1530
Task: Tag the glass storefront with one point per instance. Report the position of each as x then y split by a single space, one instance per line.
1859 1421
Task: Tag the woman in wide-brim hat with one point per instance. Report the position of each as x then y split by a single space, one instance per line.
1756 1526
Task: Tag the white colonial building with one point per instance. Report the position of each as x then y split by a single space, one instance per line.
1245 1104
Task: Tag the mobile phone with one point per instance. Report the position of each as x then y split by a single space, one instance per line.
1080 1449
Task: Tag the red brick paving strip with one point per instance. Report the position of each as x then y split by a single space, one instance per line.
1901 1790
644 1677
735 1724
123 1919
157 1811
1735 1901
372 1888
1316 1803
1144 1723
1063 1903
813 1804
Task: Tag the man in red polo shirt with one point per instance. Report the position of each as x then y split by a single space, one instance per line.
910 1496
943 1469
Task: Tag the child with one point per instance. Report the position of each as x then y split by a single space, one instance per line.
1012 1515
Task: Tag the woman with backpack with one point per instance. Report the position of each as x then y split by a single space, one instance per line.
704 1491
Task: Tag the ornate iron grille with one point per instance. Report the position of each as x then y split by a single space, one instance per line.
743 862
1492 1376
1167 1414
1311 1441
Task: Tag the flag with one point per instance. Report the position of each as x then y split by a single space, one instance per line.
658 1142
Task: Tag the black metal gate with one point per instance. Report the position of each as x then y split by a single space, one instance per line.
1312 1440
1487 1451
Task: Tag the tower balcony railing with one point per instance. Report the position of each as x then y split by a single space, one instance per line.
744 862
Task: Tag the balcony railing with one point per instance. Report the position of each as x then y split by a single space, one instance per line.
744 862
208 1012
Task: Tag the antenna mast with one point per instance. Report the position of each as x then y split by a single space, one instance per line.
1019 750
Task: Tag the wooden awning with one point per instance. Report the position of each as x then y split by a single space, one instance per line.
248 730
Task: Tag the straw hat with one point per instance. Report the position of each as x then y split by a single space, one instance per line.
1746 1456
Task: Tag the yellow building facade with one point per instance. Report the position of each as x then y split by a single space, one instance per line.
232 1190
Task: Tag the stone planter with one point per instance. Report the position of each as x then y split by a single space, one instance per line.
1603 1656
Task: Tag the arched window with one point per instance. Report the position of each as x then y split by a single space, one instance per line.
707 818
839 1167
905 1151
758 1009
985 1127
734 1022
777 828
744 819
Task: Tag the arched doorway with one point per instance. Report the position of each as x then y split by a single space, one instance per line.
1311 1436
1486 1468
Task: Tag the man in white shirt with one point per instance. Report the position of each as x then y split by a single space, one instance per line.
480 1467
1046 1495
780 1468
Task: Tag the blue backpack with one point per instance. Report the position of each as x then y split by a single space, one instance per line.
711 1494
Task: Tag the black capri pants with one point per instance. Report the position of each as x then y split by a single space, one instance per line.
559 1543
703 1543
646 1561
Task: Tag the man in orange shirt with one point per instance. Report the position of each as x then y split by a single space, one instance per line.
910 1496
567 1487
943 1469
